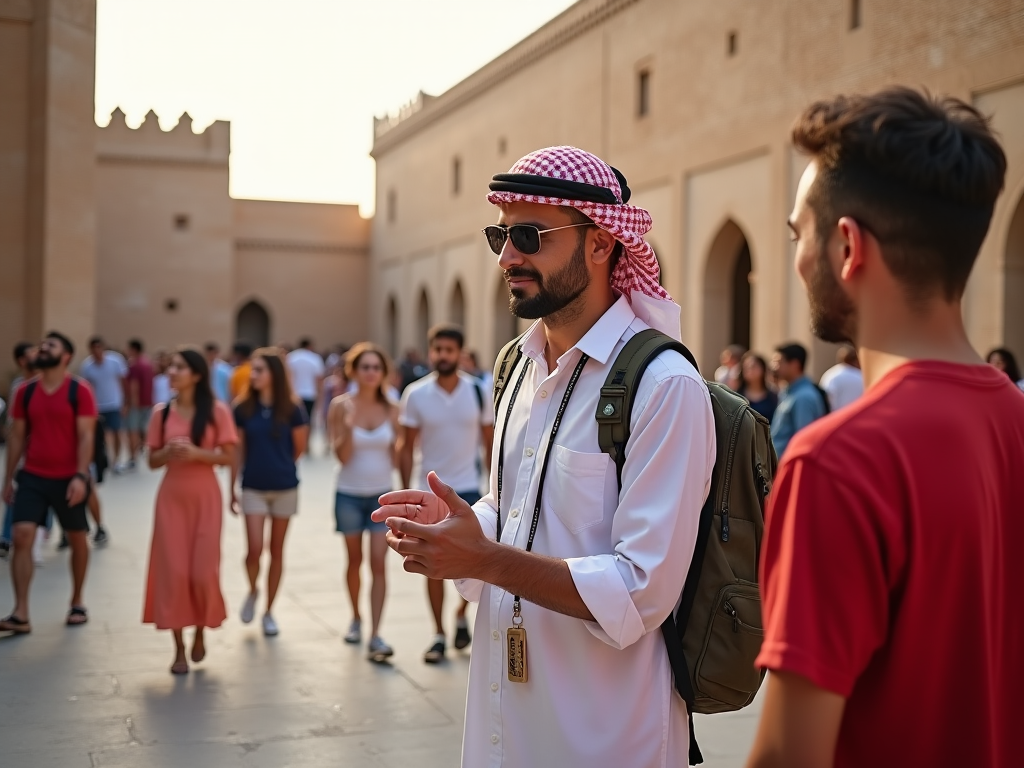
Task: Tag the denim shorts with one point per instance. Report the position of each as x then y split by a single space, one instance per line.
111 420
352 513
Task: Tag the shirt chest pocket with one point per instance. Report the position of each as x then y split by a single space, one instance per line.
575 487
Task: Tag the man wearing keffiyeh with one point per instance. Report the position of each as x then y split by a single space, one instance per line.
556 551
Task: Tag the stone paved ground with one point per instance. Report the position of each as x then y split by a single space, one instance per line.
101 695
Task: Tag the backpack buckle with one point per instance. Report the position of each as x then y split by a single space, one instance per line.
611 404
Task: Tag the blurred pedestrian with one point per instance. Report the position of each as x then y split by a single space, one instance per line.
307 373
241 352
54 426
754 385
190 436
1004 360
272 433
729 372
139 385
162 392
843 382
800 402
364 427
220 371
106 370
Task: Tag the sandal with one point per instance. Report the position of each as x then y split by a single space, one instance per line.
13 624
76 616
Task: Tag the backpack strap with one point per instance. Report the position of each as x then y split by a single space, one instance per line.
30 388
478 391
615 406
504 364
73 394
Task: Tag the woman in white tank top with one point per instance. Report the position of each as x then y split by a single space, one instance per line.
363 425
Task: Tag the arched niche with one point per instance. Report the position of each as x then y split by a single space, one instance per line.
423 321
391 326
457 306
727 294
252 324
506 325
1013 283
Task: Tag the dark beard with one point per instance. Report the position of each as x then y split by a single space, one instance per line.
44 361
833 316
445 368
563 287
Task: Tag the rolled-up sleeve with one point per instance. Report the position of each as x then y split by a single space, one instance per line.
665 481
486 513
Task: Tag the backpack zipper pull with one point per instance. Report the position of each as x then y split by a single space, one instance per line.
735 619
725 522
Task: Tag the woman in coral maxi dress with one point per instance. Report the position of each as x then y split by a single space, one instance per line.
190 436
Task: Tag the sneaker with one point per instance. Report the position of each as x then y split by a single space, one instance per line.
249 607
378 650
63 543
5 550
101 538
130 465
462 638
355 634
435 653
269 625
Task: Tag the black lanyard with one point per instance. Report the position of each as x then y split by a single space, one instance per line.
547 453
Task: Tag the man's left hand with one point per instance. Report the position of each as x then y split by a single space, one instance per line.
77 490
453 548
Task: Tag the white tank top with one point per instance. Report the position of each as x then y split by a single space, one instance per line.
368 471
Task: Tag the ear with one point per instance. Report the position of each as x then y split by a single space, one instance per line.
852 242
602 245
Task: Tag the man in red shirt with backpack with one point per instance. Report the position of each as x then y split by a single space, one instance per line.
54 422
889 566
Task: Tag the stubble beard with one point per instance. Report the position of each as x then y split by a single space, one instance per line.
557 297
833 315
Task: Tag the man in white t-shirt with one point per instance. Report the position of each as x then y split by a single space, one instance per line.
449 414
843 382
106 371
307 371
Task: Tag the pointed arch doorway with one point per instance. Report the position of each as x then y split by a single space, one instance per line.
727 295
253 324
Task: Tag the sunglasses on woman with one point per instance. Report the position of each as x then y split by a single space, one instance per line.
525 237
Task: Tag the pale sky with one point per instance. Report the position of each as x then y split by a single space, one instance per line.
300 80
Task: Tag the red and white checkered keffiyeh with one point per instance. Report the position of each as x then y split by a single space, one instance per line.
638 270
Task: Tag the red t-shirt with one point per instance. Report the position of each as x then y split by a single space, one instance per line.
141 371
51 442
892 568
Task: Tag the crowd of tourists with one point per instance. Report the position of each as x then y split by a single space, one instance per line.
855 536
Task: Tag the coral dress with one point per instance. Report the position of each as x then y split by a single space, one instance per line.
183 587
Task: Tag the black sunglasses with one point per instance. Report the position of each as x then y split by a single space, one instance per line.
525 237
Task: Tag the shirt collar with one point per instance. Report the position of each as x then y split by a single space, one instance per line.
598 343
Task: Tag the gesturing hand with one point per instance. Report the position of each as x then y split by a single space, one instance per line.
437 533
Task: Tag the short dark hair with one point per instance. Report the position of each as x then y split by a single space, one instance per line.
93 341
305 342
21 349
446 331
64 341
135 345
918 172
793 351
211 346
243 348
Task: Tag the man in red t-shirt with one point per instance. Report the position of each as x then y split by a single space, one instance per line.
890 566
54 432
139 398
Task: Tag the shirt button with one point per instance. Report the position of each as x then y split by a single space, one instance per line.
495 635
494 687
529 451
514 513
543 393
494 739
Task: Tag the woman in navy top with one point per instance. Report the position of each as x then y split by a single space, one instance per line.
272 434
754 387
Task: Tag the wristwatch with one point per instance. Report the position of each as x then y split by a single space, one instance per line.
84 478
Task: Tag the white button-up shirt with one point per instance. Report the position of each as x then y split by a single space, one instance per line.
599 693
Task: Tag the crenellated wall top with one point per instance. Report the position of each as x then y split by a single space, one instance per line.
118 142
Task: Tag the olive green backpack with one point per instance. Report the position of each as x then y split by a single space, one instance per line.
716 633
